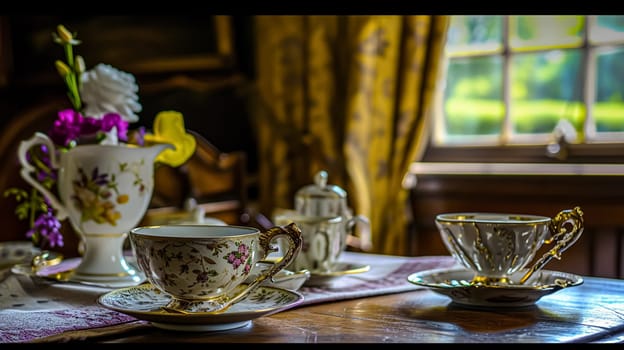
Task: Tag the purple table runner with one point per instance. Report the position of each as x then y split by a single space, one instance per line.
387 275
34 312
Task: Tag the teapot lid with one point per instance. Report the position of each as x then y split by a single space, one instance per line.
320 198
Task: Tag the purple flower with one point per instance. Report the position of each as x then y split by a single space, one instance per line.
71 126
47 227
67 127
137 136
40 158
89 126
110 120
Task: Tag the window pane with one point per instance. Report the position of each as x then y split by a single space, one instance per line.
546 87
609 107
538 32
556 64
604 29
474 96
474 34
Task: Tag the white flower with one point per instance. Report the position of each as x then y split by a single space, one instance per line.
110 138
106 89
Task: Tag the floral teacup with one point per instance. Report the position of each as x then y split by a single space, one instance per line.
207 265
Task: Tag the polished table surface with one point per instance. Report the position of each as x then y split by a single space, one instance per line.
591 312
377 306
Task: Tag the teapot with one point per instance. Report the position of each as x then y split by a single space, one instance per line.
323 199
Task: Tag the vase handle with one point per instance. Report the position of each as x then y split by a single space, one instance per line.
28 169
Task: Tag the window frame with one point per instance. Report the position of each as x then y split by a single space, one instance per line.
592 150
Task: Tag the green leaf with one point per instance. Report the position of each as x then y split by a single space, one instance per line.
22 211
18 193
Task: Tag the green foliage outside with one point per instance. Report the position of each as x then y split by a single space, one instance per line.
485 117
545 86
474 116
609 116
541 116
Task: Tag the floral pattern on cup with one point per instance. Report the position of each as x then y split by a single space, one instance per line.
239 257
192 273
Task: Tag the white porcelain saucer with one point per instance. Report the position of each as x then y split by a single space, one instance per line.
64 272
15 252
456 284
340 269
145 302
285 279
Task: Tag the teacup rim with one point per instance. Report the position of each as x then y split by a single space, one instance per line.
294 217
143 231
491 217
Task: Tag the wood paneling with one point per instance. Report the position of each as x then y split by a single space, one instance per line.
598 252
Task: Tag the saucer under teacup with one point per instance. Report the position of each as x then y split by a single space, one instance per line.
15 252
64 271
285 279
132 276
337 270
457 284
146 302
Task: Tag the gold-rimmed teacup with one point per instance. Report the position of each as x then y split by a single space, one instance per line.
207 264
495 245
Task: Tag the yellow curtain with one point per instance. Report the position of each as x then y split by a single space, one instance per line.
349 95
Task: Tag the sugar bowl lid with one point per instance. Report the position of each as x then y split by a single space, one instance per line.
320 198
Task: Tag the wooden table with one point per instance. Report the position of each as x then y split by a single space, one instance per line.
592 312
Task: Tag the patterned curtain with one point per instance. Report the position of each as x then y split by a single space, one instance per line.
350 95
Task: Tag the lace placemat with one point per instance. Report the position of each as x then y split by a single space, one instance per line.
34 311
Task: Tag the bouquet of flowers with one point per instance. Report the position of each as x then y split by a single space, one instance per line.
104 103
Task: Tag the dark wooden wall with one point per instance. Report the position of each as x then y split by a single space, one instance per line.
197 64
597 253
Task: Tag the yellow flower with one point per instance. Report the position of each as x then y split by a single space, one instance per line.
64 33
169 128
64 36
62 68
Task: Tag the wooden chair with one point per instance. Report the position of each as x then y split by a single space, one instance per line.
215 180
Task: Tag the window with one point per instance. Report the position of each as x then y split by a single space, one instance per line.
510 80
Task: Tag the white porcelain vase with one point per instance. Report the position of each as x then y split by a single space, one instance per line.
104 190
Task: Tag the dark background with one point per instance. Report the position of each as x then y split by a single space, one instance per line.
156 49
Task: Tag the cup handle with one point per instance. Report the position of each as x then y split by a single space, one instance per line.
564 239
27 169
362 242
292 233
